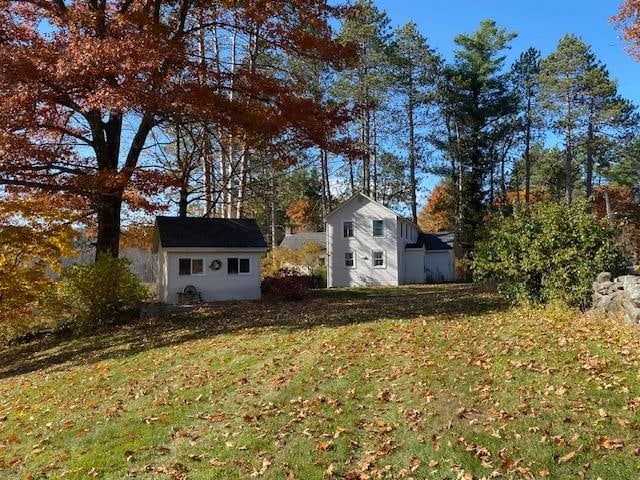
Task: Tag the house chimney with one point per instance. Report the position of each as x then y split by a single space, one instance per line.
288 230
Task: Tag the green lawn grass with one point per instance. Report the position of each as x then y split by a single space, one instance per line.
440 382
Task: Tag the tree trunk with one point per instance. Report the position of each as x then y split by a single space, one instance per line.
108 208
412 159
244 160
527 155
589 165
568 157
274 210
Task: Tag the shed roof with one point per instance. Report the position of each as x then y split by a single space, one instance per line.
295 241
434 241
192 232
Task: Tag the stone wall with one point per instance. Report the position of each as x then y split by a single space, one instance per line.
620 295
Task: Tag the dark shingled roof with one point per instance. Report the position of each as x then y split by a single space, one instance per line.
434 241
209 233
295 241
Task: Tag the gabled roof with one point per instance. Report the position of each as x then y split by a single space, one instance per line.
295 241
362 195
196 232
434 241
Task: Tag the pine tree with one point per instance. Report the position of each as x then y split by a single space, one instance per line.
476 97
563 79
526 72
415 67
365 84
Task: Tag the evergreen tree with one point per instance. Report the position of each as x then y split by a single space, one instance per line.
526 71
476 96
365 84
563 78
415 67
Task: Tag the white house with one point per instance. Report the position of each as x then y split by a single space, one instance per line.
213 258
369 244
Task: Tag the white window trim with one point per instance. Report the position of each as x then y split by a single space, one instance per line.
191 274
239 272
373 230
355 261
373 259
353 228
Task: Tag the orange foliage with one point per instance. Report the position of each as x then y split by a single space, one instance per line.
76 76
137 236
513 198
438 214
304 215
628 21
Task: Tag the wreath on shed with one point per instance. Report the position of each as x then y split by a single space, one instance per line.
216 264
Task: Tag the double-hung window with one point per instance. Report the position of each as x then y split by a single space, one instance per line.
238 266
378 259
190 266
347 229
378 228
349 260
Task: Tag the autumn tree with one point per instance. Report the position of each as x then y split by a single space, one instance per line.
83 84
304 215
438 214
35 234
628 22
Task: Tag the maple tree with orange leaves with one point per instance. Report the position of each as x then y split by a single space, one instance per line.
84 84
628 22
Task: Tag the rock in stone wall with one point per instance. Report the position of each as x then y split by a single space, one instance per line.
620 295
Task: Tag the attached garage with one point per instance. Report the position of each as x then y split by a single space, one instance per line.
440 266
431 259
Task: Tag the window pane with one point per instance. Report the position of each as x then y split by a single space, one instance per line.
378 259
244 265
348 229
348 260
378 228
197 266
184 266
232 266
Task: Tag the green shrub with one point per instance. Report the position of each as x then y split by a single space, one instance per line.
102 293
546 252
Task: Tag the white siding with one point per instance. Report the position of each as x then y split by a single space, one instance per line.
415 266
214 285
362 212
440 266
407 233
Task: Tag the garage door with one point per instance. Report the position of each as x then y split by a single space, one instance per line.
439 267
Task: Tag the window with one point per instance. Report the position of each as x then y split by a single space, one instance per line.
190 266
347 229
349 260
401 229
245 265
378 259
378 228
238 266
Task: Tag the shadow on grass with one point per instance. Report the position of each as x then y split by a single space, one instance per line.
323 308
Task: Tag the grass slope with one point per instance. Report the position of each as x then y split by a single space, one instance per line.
439 382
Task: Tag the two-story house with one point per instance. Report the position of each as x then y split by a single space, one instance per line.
369 244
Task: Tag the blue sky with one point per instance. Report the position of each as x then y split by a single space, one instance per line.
539 24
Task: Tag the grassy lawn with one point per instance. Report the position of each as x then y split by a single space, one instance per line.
442 382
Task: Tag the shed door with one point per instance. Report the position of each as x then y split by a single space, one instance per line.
439 267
